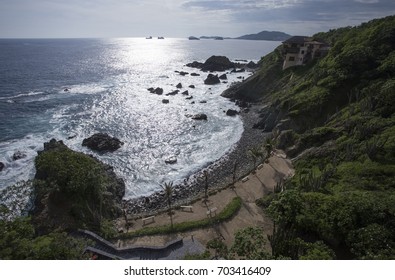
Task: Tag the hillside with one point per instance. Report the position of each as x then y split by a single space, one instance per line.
335 118
267 36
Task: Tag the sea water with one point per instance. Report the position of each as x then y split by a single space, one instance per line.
69 89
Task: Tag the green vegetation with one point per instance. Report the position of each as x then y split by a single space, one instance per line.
18 241
341 202
75 188
229 211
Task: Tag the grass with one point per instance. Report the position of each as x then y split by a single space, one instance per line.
228 212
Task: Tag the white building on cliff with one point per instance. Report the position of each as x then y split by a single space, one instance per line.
298 50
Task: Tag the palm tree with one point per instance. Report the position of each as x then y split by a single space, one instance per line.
168 188
234 174
205 173
255 153
269 147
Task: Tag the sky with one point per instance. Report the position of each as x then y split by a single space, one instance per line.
181 18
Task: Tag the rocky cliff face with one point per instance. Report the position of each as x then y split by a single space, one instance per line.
73 190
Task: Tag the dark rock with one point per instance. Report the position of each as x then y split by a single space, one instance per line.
165 101
242 104
217 63
195 74
223 77
185 93
238 70
252 65
190 97
102 142
192 86
2 165
18 155
171 160
157 90
195 64
203 101
286 139
212 80
179 85
200 117
193 102
173 92
231 112
182 73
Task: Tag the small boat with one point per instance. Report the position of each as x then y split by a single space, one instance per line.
150 37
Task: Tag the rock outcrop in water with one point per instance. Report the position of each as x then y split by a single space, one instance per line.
212 80
102 142
214 63
74 190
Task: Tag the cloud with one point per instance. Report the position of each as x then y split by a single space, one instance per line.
108 18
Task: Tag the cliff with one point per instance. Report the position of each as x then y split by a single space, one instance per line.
335 118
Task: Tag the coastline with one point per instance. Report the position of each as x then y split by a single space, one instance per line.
219 172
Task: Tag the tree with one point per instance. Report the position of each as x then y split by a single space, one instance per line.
255 153
250 244
168 189
205 174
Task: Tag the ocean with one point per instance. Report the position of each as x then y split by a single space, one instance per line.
69 89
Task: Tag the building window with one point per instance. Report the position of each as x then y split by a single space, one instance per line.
291 58
302 52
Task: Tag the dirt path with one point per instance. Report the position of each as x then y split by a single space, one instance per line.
257 185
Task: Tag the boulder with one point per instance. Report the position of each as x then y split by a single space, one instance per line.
185 93
200 117
102 142
179 85
2 165
171 160
157 90
195 64
231 112
173 92
165 101
182 73
217 63
203 102
191 86
223 77
195 74
189 97
252 65
18 155
212 80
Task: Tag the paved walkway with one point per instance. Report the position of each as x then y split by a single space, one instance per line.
256 186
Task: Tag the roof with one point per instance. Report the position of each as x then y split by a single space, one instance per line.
296 40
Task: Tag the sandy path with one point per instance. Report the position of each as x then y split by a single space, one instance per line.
258 184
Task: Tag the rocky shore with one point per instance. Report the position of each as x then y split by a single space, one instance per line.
220 172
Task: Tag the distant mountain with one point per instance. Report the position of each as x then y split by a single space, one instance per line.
267 36
214 37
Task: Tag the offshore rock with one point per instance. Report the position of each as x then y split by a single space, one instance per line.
231 112
102 142
212 80
217 63
200 117
18 155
